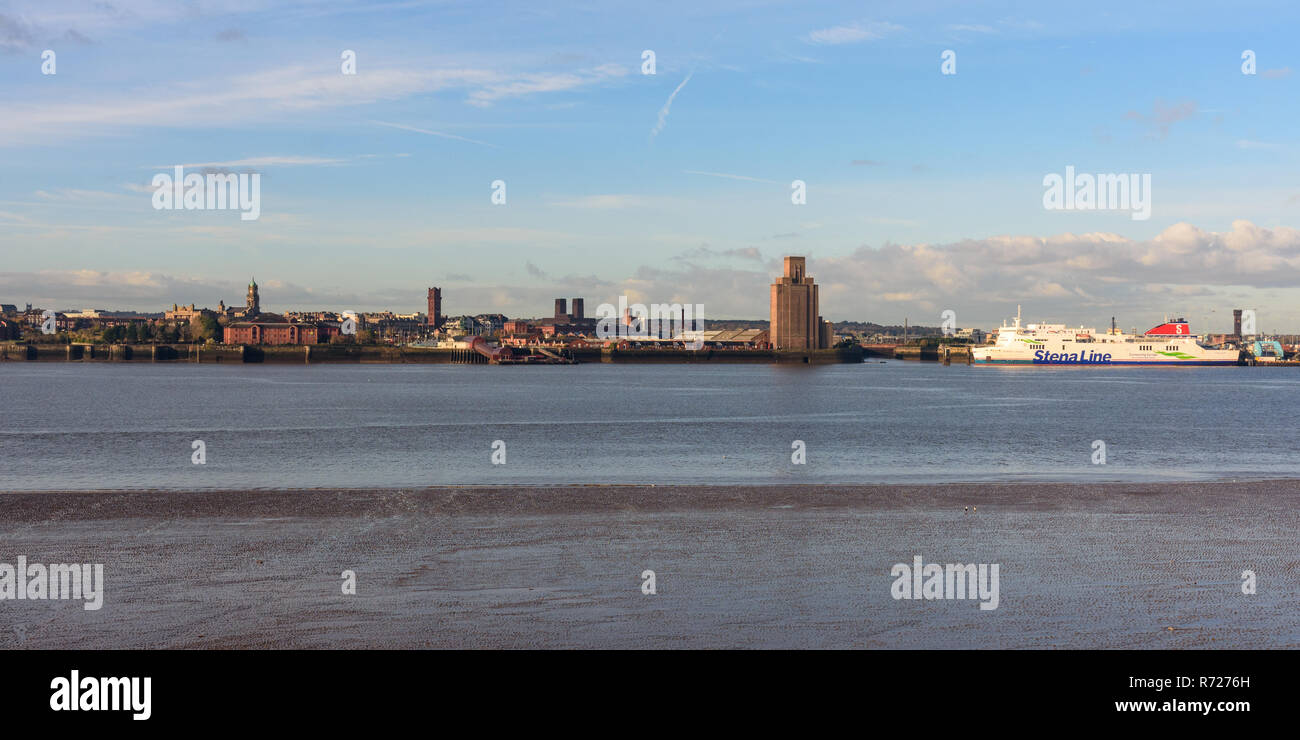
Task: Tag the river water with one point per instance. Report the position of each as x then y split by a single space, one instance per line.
133 426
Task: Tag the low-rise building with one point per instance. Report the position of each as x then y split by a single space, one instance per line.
729 338
187 313
273 329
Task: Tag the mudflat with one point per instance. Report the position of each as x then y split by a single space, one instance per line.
1109 565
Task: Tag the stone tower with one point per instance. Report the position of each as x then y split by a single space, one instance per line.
254 303
796 323
435 307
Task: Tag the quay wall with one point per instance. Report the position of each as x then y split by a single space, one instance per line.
351 353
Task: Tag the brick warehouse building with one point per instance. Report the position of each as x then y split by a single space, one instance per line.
273 329
270 328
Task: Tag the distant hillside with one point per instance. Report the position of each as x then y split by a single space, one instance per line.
869 327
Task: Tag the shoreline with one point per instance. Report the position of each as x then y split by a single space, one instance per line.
703 487
330 354
1083 566
1267 494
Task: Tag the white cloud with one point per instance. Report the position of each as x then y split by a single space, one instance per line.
263 96
1081 276
1074 278
270 161
533 84
83 196
604 202
428 132
852 33
731 177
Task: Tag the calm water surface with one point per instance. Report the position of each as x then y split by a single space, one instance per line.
114 426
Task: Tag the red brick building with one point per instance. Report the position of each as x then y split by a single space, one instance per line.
272 329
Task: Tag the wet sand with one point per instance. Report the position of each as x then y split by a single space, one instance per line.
1081 566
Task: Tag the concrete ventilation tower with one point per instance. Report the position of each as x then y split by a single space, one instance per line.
796 321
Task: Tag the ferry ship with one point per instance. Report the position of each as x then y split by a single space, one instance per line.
1170 343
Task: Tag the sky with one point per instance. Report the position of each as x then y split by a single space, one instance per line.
924 190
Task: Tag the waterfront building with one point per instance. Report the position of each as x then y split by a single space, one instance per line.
269 328
491 322
726 338
795 321
459 326
186 313
566 322
254 327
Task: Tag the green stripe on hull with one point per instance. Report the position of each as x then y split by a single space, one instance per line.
1175 362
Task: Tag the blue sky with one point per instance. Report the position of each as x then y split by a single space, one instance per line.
924 190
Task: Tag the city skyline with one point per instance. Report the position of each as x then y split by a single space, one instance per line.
924 190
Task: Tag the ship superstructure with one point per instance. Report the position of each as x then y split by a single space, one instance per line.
1169 343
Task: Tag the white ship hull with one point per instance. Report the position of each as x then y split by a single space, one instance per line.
1169 344
1090 357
